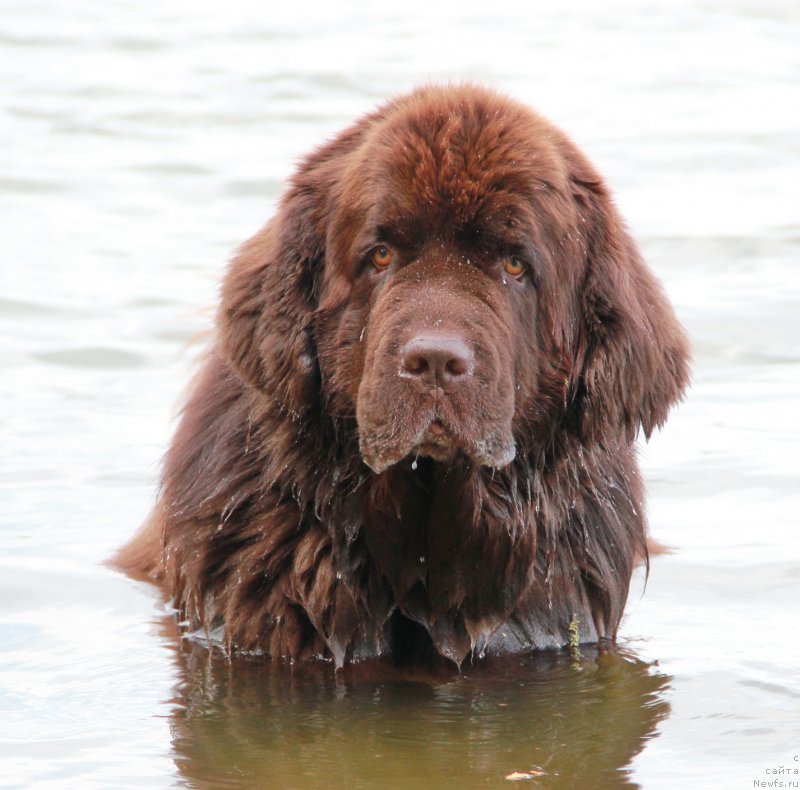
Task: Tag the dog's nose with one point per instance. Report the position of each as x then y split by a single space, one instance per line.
437 360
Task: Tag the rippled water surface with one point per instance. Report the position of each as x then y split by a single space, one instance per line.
139 144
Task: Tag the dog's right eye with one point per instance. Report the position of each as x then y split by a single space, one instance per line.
382 256
514 266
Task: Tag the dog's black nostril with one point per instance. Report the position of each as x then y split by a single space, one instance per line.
456 366
436 360
415 363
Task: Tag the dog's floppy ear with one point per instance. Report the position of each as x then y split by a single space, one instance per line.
631 360
265 318
269 294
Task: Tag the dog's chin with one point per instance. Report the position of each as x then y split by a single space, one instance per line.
441 444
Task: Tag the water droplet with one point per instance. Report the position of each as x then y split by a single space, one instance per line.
414 464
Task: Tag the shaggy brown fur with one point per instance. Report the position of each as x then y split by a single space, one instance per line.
415 429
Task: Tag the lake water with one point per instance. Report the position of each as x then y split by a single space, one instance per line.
140 143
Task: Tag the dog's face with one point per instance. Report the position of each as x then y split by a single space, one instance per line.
451 271
438 369
433 338
428 323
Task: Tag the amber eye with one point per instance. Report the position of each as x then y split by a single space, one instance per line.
514 266
382 256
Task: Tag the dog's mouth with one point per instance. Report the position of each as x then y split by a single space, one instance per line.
440 441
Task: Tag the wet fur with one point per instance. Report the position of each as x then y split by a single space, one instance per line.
269 524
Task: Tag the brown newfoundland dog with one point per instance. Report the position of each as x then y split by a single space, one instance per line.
415 430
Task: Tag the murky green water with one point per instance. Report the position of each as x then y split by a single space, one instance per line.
565 722
139 145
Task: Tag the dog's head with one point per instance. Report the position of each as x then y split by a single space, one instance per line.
452 272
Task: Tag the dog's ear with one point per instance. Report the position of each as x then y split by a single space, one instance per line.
270 292
265 317
631 354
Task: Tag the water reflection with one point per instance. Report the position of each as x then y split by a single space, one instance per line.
244 723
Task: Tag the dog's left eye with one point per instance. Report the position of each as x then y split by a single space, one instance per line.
382 256
514 266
